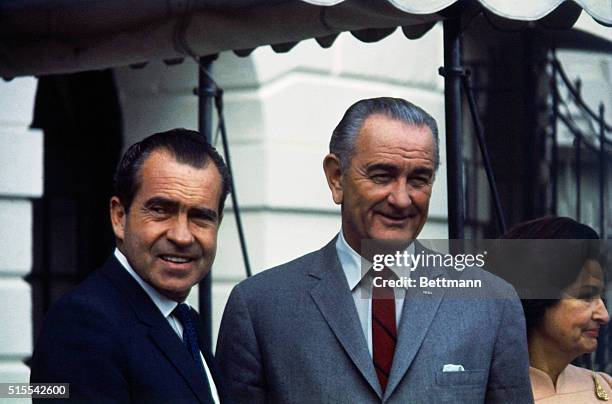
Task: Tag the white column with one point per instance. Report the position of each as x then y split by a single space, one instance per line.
21 180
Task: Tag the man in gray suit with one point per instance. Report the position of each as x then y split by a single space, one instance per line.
303 332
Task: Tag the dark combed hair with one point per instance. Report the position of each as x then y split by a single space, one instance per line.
555 269
343 139
186 146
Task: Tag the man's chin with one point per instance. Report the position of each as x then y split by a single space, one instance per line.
393 235
173 287
176 294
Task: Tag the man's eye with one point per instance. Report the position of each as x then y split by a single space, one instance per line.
419 181
203 221
201 218
381 178
158 210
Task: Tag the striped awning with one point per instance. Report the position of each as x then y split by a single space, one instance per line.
57 36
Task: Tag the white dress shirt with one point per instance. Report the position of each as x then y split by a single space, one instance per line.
360 284
166 306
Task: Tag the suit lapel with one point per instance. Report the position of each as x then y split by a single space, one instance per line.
418 312
159 330
333 298
172 347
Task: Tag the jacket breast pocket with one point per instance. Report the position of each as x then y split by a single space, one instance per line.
463 378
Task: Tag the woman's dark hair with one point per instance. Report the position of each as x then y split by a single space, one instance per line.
548 267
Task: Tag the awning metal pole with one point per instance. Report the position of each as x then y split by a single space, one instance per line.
206 93
602 173
555 149
452 107
578 167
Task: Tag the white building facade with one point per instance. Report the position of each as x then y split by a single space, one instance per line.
280 110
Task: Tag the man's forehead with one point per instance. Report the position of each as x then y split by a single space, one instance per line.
153 162
380 127
163 175
382 135
164 156
162 161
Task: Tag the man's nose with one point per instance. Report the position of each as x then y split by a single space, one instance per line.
600 314
179 232
400 195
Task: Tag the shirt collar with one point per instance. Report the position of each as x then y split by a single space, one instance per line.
164 304
351 262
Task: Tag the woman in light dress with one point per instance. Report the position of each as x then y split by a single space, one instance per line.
565 312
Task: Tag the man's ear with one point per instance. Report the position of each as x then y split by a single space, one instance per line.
118 217
331 166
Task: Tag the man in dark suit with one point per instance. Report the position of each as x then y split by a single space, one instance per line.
317 330
125 334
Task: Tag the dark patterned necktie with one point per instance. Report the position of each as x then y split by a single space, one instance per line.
384 330
190 338
190 334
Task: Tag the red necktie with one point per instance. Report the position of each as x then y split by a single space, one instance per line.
384 330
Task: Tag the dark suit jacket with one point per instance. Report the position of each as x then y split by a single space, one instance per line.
292 335
111 343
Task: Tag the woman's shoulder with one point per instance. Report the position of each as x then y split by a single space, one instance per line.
606 377
602 381
576 372
574 375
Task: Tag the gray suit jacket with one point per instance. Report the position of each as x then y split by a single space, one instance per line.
291 334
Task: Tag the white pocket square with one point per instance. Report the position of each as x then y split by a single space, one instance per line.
452 368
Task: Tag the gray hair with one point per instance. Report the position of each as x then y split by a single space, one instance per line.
342 142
